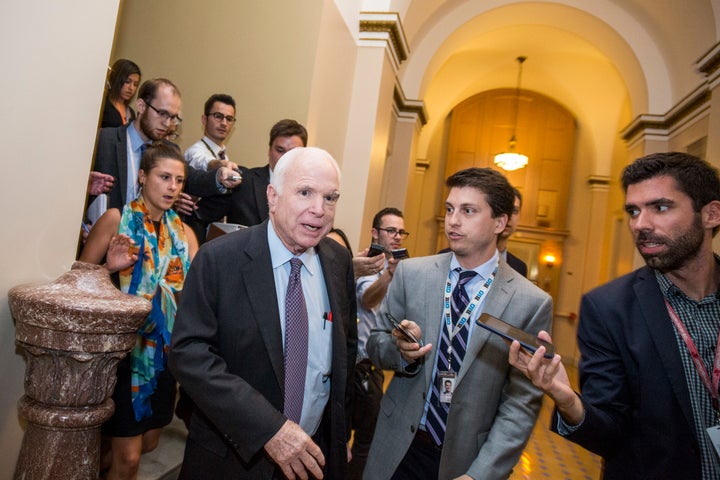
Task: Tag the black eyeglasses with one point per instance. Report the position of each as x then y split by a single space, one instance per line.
219 117
394 232
174 119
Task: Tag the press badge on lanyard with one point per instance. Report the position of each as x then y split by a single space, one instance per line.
446 379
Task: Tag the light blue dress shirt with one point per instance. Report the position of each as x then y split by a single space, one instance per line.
319 366
135 142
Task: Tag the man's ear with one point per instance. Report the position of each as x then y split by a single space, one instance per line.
272 195
375 234
203 120
500 223
711 214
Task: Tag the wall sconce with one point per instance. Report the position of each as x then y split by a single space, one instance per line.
549 260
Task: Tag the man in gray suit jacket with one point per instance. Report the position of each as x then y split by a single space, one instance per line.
478 431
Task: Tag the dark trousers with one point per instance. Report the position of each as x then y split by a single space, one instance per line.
422 460
367 394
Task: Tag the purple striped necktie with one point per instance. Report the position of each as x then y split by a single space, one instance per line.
296 343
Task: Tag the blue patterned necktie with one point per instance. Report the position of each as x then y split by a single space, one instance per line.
438 412
296 343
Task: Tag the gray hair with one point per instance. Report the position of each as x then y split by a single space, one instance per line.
297 155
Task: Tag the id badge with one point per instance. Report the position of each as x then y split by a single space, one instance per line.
446 386
714 434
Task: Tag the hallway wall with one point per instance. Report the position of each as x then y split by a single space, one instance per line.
54 69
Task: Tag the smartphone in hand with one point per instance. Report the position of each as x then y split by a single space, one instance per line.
375 250
528 341
404 331
400 253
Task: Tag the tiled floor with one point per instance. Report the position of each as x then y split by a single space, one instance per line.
547 455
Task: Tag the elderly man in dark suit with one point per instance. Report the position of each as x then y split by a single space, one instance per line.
648 337
266 336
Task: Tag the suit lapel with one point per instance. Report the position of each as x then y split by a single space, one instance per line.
121 152
260 284
331 276
495 304
432 303
662 333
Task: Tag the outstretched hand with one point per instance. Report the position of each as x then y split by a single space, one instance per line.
186 204
121 253
99 183
364 265
550 376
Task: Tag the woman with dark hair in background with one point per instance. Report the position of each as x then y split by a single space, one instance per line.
122 84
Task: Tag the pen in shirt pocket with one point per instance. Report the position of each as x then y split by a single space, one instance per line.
327 317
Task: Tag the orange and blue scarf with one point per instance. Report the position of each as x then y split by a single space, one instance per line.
159 273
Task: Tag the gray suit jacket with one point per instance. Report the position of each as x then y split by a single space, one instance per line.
494 406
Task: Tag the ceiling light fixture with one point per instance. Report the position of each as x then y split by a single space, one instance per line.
511 160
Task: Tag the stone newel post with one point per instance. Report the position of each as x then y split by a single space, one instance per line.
72 333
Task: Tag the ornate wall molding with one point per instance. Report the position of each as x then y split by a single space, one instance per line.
709 64
688 109
406 109
599 181
385 29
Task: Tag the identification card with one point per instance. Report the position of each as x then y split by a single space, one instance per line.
714 434
446 386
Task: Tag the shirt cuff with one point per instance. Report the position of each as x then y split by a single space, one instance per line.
220 187
563 428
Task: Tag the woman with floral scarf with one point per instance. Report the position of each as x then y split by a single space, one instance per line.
150 248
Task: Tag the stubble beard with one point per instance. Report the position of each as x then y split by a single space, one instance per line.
679 251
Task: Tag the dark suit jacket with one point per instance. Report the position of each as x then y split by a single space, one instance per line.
638 413
111 158
248 202
517 264
227 353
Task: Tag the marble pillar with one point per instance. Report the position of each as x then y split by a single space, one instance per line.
72 333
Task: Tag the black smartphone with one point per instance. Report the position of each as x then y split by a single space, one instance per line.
399 253
527 341
375 250
405 332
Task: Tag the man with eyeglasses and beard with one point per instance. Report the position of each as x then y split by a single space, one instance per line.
119 149
649 340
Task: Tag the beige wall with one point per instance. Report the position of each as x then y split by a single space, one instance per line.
261 53
54 62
